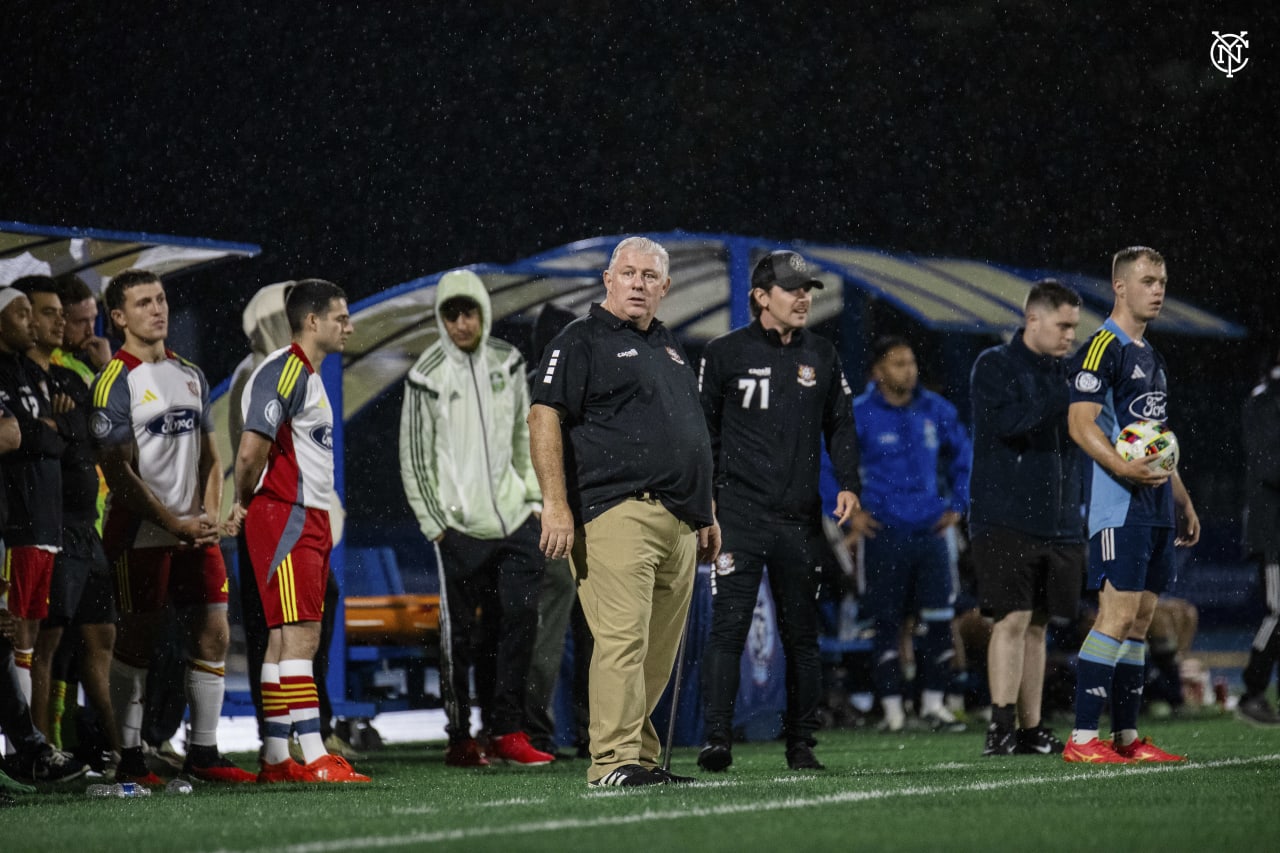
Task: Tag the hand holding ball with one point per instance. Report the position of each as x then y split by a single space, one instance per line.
1152 441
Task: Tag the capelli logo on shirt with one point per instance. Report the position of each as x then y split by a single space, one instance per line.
631 353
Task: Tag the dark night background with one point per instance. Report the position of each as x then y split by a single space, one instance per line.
374 143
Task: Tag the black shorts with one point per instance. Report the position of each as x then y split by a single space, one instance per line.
83 590
1016 571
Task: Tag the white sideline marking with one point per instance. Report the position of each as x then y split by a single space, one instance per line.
515 801
647 816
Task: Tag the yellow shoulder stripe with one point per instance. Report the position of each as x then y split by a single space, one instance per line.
103 390
289 376
1094 357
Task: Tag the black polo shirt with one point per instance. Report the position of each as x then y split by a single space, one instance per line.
631 417
769 407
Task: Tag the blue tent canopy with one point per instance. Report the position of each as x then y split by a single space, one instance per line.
711 275
96 255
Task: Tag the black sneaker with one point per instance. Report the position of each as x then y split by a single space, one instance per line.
800 757
1257 710
54 765
715 758
628 776
1038 741
999 741
671 778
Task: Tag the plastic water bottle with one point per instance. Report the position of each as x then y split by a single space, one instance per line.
119 789
178 785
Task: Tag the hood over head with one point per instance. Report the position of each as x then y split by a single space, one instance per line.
467 284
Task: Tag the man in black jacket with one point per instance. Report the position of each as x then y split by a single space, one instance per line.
1024 513
1262 541
33 479
771 392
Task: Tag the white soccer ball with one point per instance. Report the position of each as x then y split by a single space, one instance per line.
1150 440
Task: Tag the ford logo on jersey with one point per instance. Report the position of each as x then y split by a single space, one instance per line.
323 436
1149 407
173 422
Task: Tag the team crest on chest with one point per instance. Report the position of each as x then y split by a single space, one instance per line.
497 381
807 376
675 356
193 387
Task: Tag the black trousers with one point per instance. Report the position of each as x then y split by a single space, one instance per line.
794 553
501 578
15 713
1264 652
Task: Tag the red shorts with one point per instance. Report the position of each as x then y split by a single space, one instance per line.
148 577
289 547
28 570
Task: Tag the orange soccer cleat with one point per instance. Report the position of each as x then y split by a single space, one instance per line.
285 771
332 768
1095 751
1143 749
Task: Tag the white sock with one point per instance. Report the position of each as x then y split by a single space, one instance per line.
894 715
128 685
297 679
206 685
23 659
275 714
1083 736
1124 737
930 702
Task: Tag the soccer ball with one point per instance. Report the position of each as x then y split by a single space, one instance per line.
1150 440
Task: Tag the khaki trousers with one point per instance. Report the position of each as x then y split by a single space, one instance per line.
634 567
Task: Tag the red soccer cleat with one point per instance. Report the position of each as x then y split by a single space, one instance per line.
1094 752
332 768
148 779
514 748
1143 749
285 771
219 770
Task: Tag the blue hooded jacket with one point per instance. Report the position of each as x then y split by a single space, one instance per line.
903 449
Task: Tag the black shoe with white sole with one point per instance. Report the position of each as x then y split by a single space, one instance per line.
628 776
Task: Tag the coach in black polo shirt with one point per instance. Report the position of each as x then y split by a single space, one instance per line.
623 457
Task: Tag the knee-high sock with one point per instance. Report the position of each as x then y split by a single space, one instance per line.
936 652
128 685
1126 687
275 716
1094 675
299 687
22 657
206 685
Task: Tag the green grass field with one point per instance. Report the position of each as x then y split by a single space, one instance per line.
909 792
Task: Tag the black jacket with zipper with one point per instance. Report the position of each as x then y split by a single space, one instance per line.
1027 472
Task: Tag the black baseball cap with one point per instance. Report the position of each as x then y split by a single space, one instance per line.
787 270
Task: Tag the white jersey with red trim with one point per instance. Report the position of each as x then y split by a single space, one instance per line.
163 407
285 401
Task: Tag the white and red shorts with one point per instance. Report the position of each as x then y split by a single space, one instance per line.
189 577
289 547
29 571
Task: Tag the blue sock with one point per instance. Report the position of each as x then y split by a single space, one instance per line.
934 654
1095 672
1127 685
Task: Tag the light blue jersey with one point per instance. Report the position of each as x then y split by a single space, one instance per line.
1128 379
